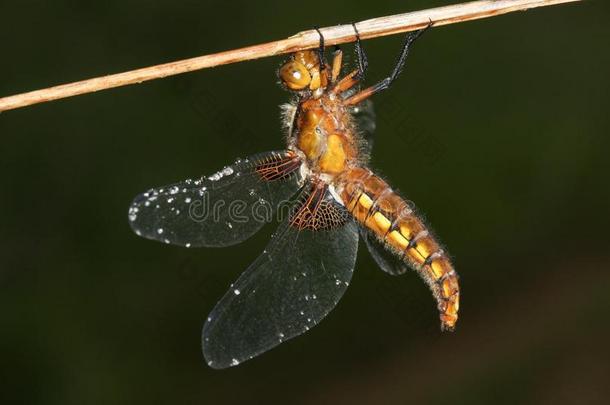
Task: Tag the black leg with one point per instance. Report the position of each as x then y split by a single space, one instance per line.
385 83
400 63
321 50
363 62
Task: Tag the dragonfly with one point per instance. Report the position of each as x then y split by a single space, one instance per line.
329 198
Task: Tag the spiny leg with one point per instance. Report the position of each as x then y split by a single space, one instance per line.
400 64
355 76
363 62
321 48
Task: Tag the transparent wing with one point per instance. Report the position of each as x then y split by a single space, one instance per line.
387 260
219 210
294 284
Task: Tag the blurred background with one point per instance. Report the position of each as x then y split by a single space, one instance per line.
498 131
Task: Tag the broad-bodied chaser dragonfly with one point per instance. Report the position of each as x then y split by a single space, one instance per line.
334 199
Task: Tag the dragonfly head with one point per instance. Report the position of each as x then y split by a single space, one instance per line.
302 72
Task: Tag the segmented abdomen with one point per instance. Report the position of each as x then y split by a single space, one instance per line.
373 203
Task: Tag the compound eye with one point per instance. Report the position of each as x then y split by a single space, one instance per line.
295 75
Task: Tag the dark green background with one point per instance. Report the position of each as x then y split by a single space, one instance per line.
498 131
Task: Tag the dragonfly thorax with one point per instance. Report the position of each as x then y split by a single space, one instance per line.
323 133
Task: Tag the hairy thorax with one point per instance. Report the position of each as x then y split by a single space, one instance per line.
324 133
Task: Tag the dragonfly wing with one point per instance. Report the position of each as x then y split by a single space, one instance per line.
386 259
292 286
218 210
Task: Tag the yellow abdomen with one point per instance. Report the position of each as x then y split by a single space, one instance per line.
373 203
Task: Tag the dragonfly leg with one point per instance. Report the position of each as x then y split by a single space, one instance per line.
400 64
363 62
321 48
337 64
346 83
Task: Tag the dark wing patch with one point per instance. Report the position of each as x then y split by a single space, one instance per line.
317 210
272 168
